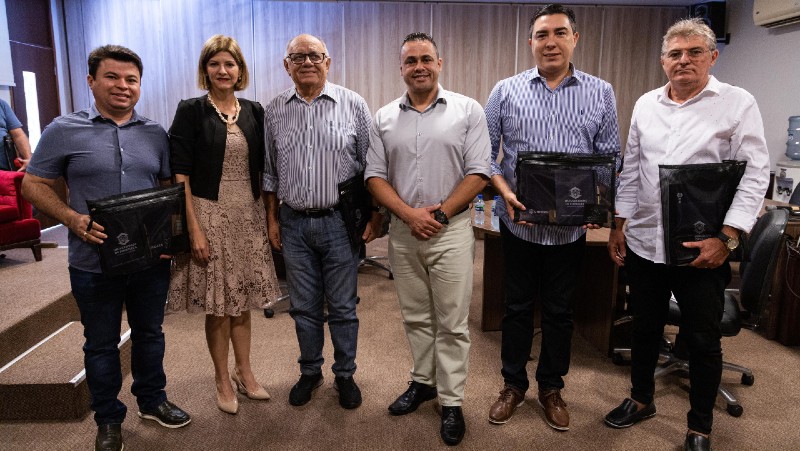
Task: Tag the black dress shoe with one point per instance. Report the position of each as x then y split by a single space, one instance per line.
696 442
416 394
349 393
300 394
628 413
109 438
168 415
453 427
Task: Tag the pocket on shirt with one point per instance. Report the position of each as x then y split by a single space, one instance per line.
342 135
587 131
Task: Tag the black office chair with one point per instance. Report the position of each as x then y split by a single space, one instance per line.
795 199
761 247
375 260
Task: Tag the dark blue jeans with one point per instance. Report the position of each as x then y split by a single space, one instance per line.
100 300
550 273
321 265
701 296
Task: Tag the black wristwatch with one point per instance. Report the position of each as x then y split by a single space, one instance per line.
440 217
730 242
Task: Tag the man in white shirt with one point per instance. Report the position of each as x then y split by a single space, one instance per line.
693 119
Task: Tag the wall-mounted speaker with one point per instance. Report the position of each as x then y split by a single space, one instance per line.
713 14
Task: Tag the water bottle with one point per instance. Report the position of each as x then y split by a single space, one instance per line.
480 206
495 216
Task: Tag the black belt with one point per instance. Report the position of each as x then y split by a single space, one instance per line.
316 212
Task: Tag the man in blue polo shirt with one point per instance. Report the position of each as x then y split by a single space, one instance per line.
556 108
105 150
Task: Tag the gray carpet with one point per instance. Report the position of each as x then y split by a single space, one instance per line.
594 386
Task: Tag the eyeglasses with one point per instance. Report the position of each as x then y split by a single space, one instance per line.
300 58
693 54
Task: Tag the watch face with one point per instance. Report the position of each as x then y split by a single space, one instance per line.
440 217
732 244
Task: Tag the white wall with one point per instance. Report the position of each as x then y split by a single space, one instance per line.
766 62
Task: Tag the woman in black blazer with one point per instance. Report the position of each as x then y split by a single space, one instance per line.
217 150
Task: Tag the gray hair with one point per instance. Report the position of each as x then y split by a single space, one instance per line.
686 28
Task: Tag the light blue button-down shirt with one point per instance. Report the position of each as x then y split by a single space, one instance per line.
525 115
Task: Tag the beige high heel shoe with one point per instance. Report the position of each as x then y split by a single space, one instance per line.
231 407
259 394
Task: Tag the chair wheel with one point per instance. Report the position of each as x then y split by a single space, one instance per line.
735 410
269 313
616 359
748 379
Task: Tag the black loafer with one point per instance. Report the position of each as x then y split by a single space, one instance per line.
109 438
628 414
168 415
696 442
349 393
416 394
453 427
300 393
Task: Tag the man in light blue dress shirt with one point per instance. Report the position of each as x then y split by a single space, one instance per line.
551 108
317 135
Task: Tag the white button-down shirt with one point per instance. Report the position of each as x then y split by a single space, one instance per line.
722 122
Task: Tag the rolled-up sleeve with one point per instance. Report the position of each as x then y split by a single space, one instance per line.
477 147
629 178
748 144
376 155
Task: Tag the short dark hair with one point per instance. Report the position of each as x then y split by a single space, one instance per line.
549 10
114 52
422 37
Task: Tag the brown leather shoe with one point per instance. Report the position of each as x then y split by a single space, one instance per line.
555 409
502 410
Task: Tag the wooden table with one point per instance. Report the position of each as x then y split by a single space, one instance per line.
596 303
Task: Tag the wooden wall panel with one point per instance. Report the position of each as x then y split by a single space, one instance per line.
275 23
124 23
477 44
631 63
184 39
372 60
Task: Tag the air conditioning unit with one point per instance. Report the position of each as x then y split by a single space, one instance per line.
776 13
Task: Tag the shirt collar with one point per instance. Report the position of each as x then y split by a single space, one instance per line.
710 89
441 97
575 75
94 114
327 91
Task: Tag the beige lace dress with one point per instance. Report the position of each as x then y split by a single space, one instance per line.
241 274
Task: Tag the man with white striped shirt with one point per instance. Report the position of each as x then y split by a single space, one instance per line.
552 107
316 136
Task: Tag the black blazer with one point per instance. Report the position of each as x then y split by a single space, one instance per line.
197 144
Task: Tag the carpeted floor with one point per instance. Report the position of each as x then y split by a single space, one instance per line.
594 386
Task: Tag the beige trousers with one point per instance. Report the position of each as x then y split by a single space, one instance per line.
433 279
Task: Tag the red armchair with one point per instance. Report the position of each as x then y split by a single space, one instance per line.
17 226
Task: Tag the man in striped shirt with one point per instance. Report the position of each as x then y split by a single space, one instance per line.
317 135
552 107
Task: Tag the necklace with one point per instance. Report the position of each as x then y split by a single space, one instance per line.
232 121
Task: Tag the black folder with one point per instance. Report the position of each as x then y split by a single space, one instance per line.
355 204
566 189
141 226
694 201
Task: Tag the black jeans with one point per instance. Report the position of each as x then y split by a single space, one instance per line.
552 272
701 295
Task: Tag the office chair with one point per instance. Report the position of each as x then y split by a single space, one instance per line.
795 199
761 247
374 260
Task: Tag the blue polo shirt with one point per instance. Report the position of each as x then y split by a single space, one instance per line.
99 158
8 120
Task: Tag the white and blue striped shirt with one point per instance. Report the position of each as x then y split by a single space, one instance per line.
313 146
579 116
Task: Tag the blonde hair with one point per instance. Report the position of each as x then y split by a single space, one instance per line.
220 43
686 28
